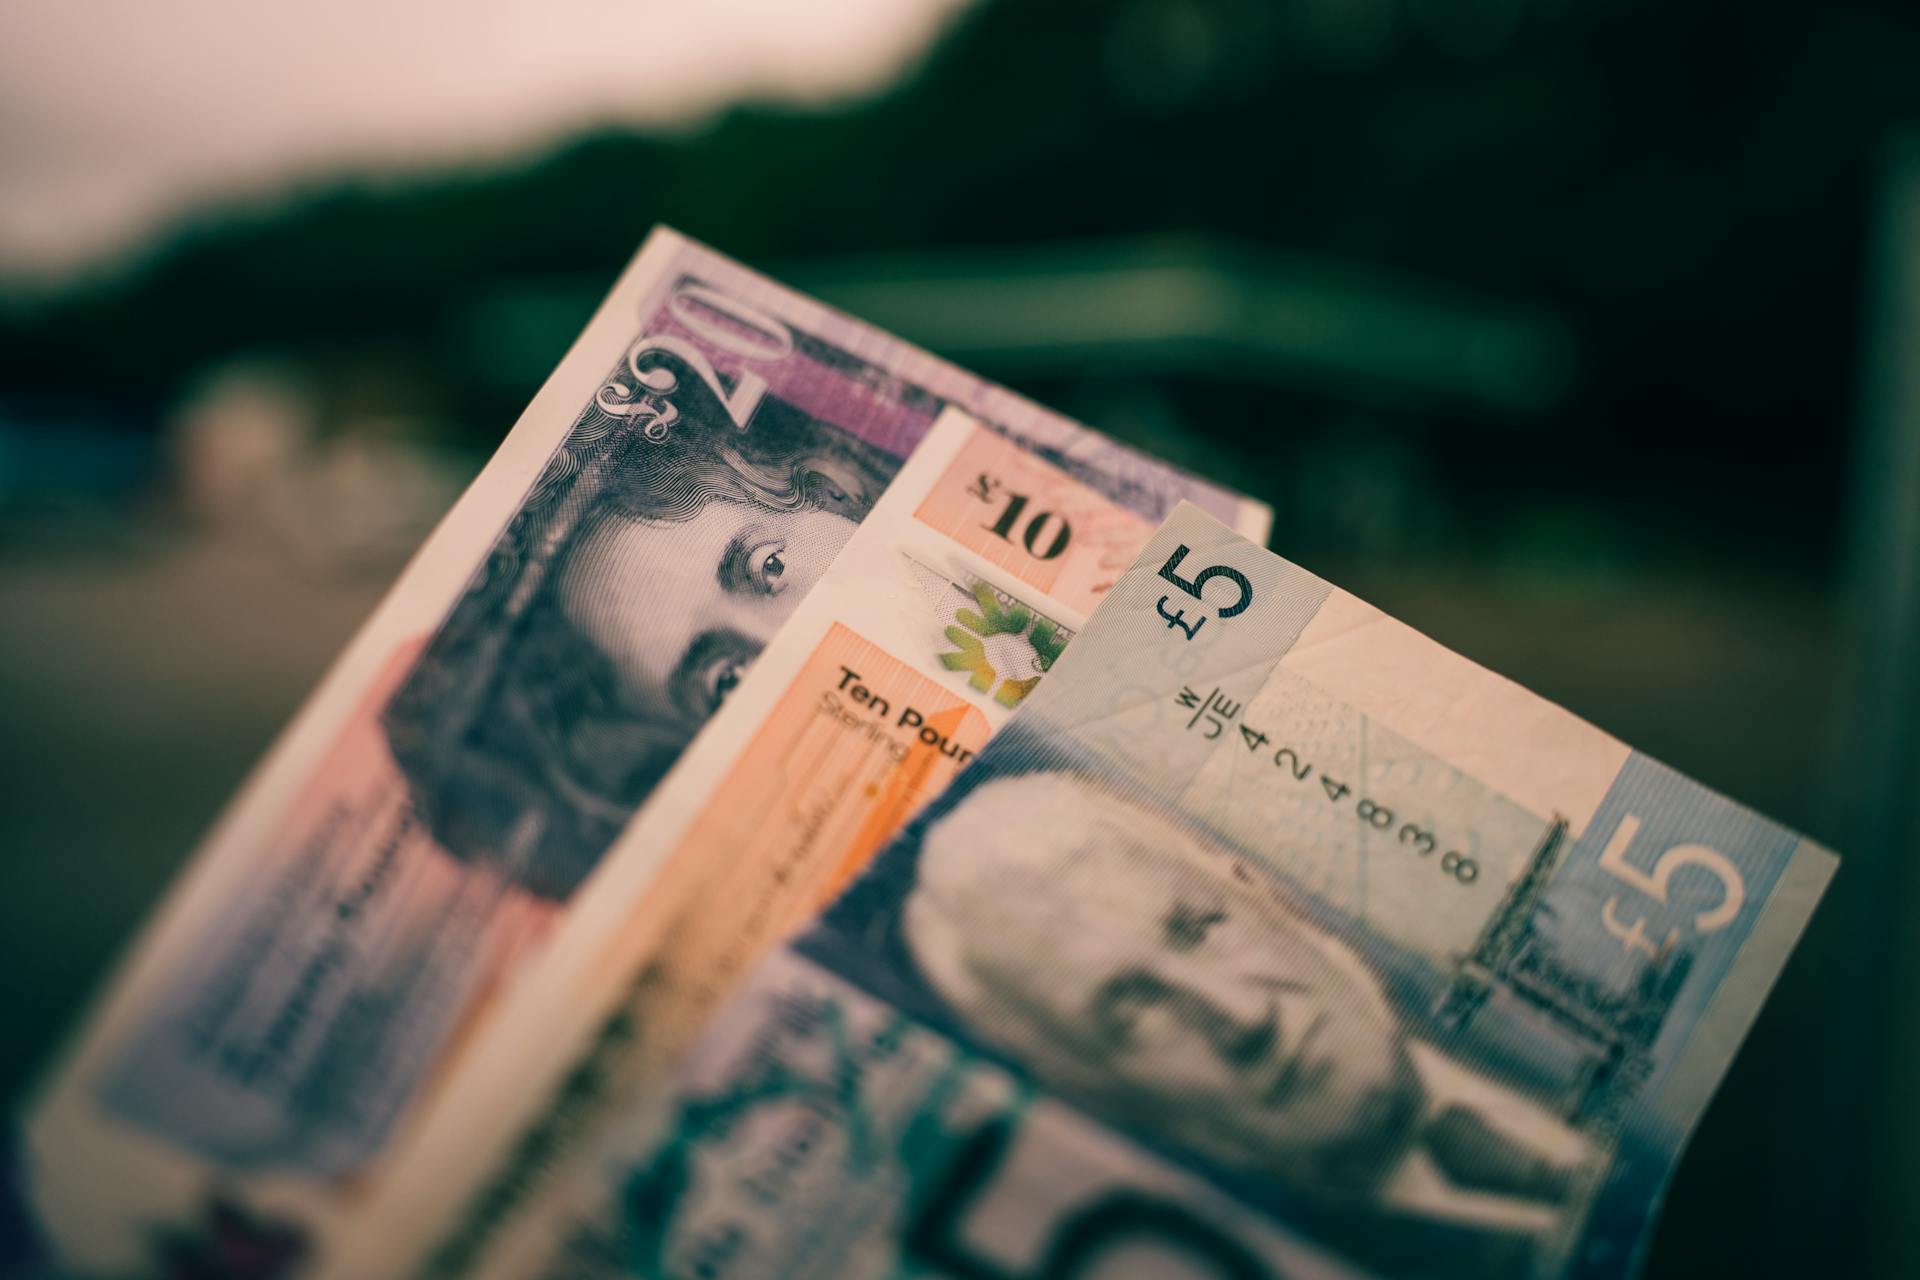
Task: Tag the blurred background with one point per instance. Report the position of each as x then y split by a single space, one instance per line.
1584 336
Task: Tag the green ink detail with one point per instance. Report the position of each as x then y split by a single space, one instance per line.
1012 691
971 657
1047 644
993 619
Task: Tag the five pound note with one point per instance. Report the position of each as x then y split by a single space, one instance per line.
1270 939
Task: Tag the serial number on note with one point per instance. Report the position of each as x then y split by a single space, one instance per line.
1213 714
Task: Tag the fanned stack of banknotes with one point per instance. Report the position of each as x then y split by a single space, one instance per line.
810 812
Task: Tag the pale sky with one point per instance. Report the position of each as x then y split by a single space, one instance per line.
116 115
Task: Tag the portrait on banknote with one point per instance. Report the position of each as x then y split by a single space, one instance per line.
1170 983
625 600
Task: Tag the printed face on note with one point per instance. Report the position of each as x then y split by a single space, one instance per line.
1161 974
742 568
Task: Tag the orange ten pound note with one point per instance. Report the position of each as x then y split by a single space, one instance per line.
938 618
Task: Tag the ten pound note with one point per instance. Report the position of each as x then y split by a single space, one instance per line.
1271 939
938 619
440 813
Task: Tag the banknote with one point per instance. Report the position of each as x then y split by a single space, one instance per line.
1270 939
938 618
437 814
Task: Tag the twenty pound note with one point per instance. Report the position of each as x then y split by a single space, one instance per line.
431 821
1271 939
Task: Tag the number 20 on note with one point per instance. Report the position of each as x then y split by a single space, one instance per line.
1241 593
